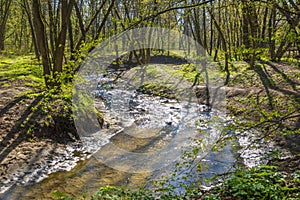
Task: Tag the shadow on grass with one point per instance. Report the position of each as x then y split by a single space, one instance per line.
283 75
267 83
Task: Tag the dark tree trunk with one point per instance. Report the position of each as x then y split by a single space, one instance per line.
66 11
264 27
222 38
41 40
29 18
271 31
2 38
4 11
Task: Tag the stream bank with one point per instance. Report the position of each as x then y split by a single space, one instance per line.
63 157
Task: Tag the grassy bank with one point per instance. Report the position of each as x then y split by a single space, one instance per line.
48 113
265 98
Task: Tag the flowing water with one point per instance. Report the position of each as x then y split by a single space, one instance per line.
144 138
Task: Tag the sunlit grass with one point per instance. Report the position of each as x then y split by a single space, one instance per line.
21 68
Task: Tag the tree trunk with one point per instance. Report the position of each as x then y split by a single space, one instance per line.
2 38
250 30
41 40
29 18
4 11
264 27
222 38
66 11
98 33
271 31
204 29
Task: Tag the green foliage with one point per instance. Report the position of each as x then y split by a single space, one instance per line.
262 182
157 90
22 68
255 114
187 71
117 193
61 196
271 112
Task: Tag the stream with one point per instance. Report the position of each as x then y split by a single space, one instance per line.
142 138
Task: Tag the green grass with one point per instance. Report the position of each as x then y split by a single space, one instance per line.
157 90
21 68
187 71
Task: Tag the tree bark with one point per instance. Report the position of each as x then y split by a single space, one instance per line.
4 12
66 11
41 40
2 38
222 37
33 36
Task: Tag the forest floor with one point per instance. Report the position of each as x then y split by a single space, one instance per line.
269 97
27 138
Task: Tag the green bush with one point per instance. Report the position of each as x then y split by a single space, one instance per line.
263 182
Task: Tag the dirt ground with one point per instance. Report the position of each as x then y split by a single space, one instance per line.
20 149
24 150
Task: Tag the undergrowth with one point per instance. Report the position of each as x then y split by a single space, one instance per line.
261 182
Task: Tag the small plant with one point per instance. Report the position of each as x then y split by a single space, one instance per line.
262 182
61 196
117 193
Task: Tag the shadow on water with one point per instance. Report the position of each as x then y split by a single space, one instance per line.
91 174
87 177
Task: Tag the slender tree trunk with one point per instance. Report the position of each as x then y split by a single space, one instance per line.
4 12
211 39
2 38
33 36
204 29
271 31
41 40
83 29
52 28
71 38
98 33
222 37
61 42
264 27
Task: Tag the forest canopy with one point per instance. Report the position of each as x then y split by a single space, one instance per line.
57 30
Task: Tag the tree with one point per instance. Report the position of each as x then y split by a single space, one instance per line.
26 7
57 34
4 12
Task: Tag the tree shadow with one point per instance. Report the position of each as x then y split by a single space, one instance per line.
283 75
266 79
22 121
87 177
11 104
267 83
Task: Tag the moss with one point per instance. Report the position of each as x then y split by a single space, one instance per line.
157 89
21 68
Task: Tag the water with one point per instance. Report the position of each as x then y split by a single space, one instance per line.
144 138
